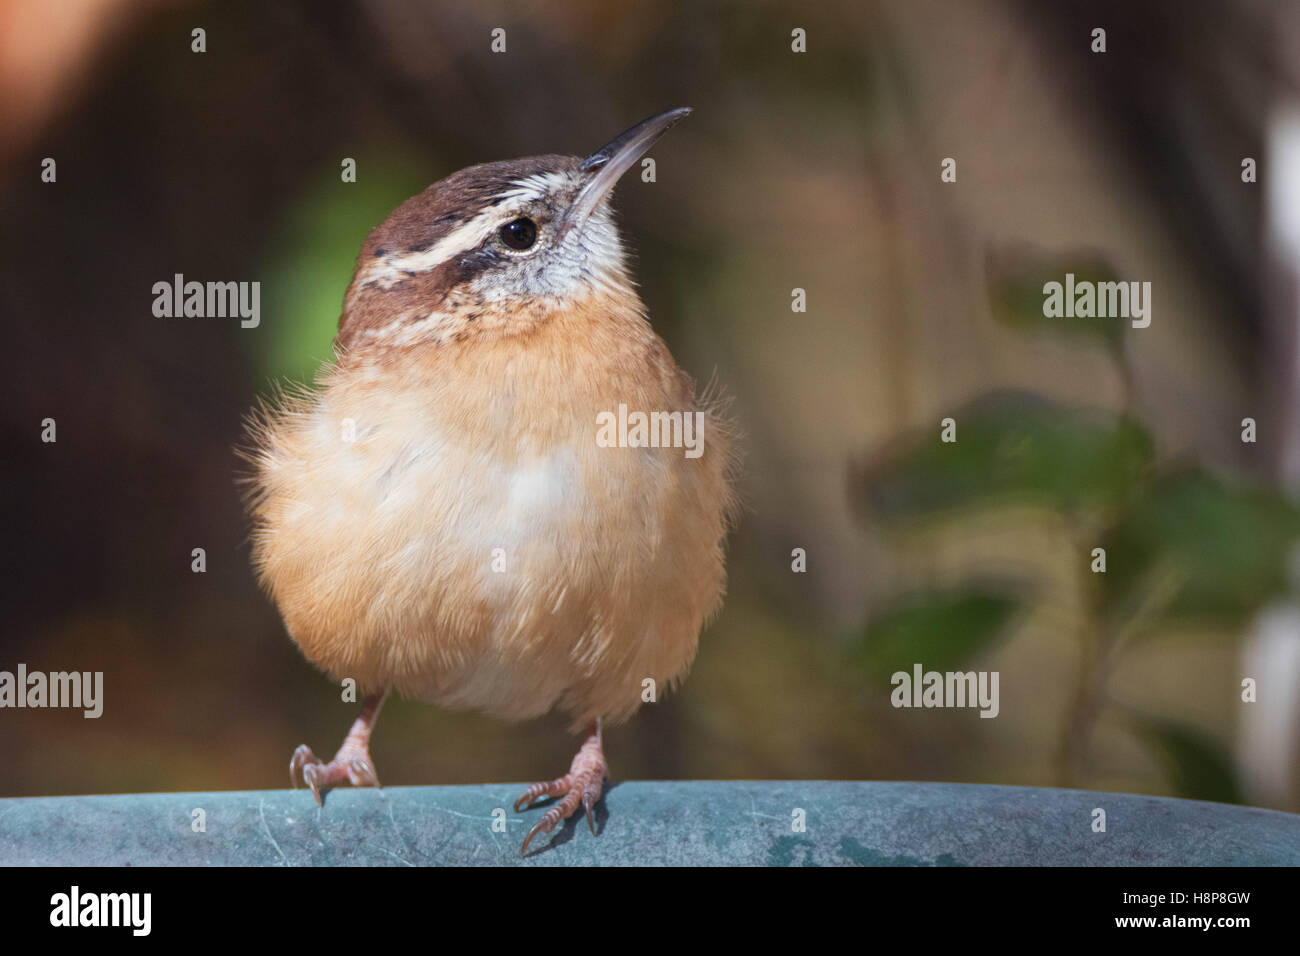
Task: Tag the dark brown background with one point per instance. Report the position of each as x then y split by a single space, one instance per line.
817 170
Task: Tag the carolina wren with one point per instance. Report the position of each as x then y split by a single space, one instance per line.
437 517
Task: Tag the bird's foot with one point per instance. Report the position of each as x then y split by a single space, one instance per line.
350 765
582 784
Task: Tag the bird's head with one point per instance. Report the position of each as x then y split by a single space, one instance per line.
495 247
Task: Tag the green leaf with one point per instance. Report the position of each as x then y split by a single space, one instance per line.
1221 550
937 628
1012 447
1015 280
312 254
1194 763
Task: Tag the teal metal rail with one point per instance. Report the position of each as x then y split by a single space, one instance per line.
786 823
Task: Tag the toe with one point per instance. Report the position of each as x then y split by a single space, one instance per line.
362 774
302 758
554 788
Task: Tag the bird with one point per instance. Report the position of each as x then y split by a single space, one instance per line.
464 508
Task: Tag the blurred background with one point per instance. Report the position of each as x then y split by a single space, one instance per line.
817 170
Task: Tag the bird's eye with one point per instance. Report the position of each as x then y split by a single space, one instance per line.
519 234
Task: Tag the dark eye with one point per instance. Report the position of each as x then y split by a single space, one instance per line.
519 233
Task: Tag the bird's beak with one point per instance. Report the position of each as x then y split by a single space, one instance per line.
607 165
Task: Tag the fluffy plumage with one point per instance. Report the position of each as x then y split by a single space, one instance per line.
437 517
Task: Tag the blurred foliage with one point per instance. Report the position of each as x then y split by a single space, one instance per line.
1222 547
941 629
1197 767
1181 544
1011 447
1015 280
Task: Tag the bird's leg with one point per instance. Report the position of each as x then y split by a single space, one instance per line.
352 764
582 784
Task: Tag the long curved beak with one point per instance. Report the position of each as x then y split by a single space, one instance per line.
606 166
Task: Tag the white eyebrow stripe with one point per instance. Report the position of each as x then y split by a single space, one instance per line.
392 269
521 190
538 185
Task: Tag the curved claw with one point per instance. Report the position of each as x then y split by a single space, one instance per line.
588 806
311 774
302 759
541 825
362 774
